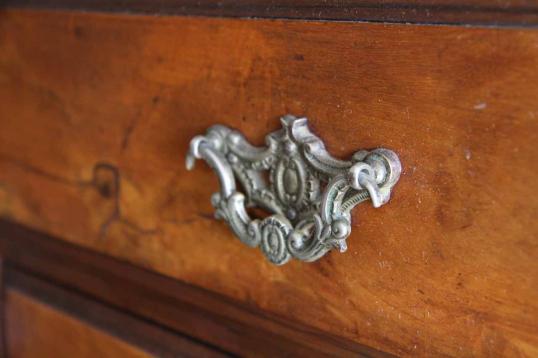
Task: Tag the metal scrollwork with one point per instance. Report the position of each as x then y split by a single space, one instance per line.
309 193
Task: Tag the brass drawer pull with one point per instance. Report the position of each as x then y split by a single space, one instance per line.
310 194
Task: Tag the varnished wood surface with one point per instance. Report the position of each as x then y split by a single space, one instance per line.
92 328
462 12
35 329
3 349
97 111
233 326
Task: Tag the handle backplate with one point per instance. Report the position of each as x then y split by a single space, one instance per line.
308 193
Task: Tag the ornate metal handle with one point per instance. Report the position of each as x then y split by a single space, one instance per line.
309 193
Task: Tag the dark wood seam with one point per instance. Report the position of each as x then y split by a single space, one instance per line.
45 257
396 12
13 270
150 336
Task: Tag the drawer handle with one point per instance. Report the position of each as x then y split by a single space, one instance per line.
308 193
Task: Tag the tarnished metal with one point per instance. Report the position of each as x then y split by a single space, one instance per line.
308 192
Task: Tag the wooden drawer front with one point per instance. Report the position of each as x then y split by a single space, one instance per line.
38 330
97 111
43 320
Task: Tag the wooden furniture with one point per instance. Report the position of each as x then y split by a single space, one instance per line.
109 246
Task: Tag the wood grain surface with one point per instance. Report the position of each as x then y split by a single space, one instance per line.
80 326
35 329
97 111
205 316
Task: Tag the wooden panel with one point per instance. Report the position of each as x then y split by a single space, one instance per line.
43 320
485 12
234 326
97 111
3 349
37 330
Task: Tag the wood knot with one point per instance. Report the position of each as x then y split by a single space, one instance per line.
106 180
